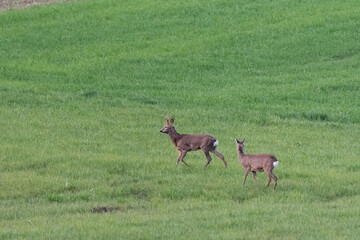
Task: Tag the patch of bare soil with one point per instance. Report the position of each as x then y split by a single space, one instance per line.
104 209
18 4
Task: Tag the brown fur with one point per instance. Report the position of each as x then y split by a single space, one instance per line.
256 163
191 142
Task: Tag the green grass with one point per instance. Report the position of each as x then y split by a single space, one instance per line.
85 87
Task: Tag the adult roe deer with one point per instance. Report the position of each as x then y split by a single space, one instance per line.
191 142
257 163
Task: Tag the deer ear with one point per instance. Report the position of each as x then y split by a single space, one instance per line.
243 140
237 141
172 121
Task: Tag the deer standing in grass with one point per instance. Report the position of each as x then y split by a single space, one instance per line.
257 163
191 142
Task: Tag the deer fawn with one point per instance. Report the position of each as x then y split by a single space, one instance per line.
190 142
257 163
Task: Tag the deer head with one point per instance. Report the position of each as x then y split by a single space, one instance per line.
240 144
168 125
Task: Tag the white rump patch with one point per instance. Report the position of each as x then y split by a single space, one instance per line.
216 143
276 163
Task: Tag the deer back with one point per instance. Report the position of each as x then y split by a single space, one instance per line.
258 162
191 142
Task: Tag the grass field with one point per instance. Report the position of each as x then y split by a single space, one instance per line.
85 87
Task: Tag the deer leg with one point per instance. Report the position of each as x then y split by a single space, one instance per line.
272 176
275 179
185 163
206 152
220 156
246 174
269 180
179 158
182 154
254 175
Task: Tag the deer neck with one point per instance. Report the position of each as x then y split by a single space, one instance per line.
174 136
241 152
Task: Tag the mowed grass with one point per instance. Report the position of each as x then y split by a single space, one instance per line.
85 87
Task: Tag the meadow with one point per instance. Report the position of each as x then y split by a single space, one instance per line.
85 87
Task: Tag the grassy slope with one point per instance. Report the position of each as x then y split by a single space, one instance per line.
85 87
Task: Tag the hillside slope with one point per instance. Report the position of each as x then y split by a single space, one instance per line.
85 87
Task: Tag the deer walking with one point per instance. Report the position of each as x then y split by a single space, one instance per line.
257 163
185 143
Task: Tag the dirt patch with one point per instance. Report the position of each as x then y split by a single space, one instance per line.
18 4
104 209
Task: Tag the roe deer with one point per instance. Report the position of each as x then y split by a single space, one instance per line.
257 163
190 142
